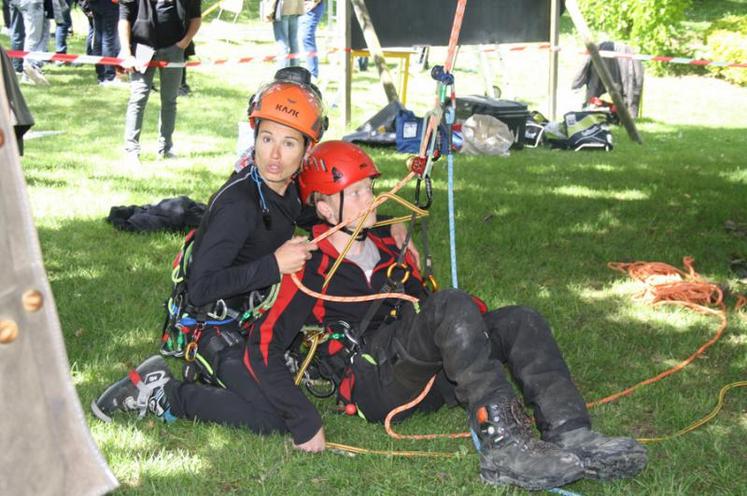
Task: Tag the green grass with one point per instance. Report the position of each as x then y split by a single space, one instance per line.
537 228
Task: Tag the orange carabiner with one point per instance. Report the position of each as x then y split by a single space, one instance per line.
402 266
190 352
431 283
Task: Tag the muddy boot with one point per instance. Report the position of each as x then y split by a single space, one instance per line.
604 457
141 391
509 454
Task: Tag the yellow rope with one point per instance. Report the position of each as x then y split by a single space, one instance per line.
700 422
410 454
443 454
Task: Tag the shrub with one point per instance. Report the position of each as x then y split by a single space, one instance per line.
726 41
652 26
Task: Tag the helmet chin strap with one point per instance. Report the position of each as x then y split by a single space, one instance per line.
362 235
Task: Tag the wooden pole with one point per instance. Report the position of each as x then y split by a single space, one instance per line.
346 78
601 68
552 86
374 47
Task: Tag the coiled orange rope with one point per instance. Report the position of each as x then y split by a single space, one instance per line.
664 285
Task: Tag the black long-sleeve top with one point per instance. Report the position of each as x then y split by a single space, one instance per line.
234 248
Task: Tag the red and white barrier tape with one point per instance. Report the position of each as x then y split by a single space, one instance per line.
671 60
91 59
620 55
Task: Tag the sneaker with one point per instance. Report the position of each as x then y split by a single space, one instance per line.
24 79
604 457
113 83
166 155
510 454
141 391
35 75
184 90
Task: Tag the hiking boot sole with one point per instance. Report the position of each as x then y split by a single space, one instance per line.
496 478
99 414
615 466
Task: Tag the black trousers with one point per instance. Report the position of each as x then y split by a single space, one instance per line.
241 404
450 337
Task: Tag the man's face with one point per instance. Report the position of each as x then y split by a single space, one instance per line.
279 152
358 198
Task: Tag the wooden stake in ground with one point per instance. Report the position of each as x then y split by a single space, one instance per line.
601 68
374 47
552 82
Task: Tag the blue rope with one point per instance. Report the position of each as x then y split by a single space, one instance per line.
450 116
563 492
452 228
254 174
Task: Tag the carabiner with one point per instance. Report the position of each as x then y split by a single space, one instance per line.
402 266
190 352
431 283
220 304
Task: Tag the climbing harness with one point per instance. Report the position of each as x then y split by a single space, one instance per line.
200 334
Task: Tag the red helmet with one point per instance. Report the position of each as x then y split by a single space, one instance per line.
332 166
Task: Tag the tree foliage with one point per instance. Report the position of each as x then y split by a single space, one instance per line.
652 26
726 40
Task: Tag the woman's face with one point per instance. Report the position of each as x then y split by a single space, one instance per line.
279 152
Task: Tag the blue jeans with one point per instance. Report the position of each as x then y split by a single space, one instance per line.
286 34
17 35
140 85
307 34
34 21
60 35
105 40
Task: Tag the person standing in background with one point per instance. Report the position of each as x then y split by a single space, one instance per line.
63 28
32 14
285 28
105 41
157 30
307 33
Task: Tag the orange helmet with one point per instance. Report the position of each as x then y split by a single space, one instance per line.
332 166
292 104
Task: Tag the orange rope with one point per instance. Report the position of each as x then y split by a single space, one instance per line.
437 112
355 299
352 299
662 288
407 406
376 203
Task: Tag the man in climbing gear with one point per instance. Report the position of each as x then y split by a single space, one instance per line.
383 360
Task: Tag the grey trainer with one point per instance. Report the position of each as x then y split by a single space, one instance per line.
142 391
